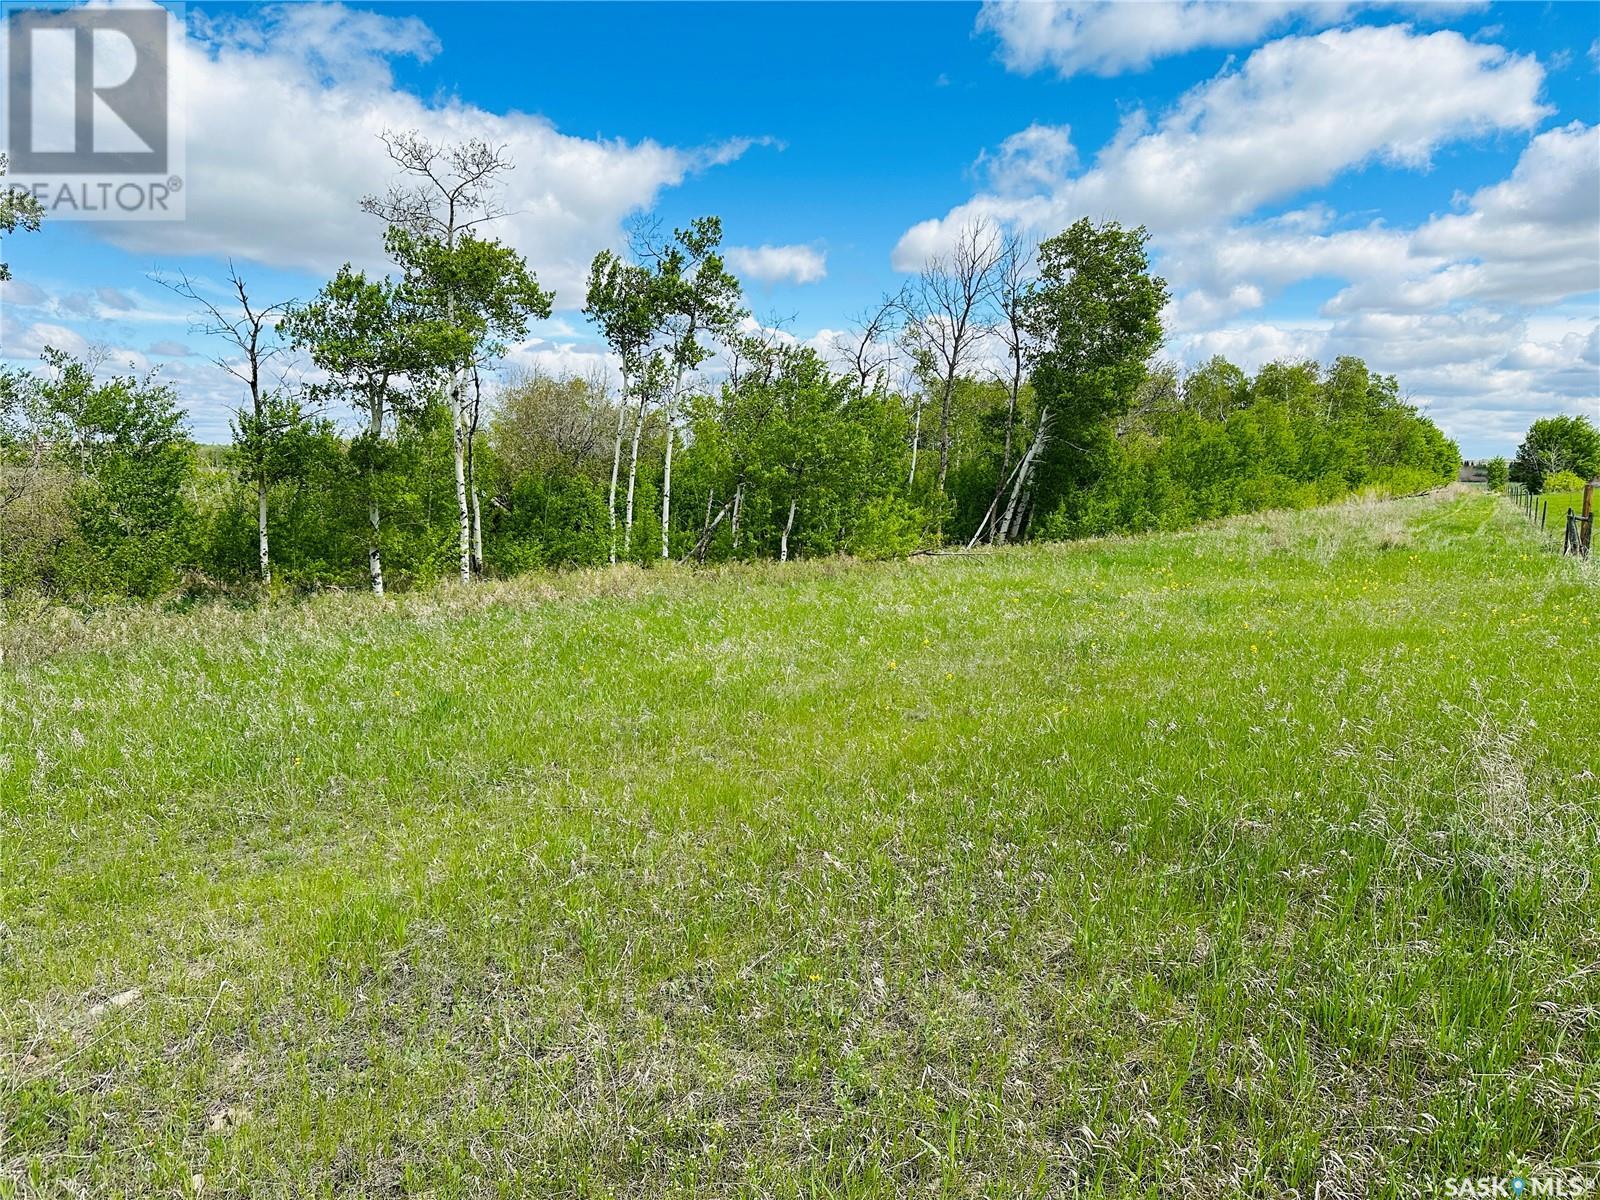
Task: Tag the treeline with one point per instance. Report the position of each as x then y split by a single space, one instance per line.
1007 393
792 460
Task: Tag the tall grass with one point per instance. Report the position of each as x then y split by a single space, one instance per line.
1255 859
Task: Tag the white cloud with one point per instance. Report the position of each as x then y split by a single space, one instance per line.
562 356
284 111
1201 309
113 299
1299 112
31 340
19 293
1108 38
1532 239
778 264
1031 159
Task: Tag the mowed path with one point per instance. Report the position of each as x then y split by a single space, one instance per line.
1251 859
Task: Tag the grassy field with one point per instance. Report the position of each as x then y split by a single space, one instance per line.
1218 863
1556 514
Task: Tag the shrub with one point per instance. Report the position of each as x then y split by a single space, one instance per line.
1564 481
1496 473
889 527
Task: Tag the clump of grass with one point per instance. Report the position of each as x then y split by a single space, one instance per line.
1232 861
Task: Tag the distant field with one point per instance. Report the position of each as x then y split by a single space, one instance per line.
1249 860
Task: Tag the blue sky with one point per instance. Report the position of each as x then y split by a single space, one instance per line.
1418 184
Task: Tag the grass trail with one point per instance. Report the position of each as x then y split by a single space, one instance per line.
1245 860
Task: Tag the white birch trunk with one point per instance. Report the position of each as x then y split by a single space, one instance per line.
476 562
944 430
783 551
261 529
916 442
738 506
374 556
666 475
633 475
463 508
1005 456
989 514
666 487
616 465
477 530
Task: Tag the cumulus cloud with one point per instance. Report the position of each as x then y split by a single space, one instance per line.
1300 111
31 339
1527 241
778 264
1030 160
284 107
1074 38
1533 238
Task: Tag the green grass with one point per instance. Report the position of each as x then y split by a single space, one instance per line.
1559 503
1578 609
1217 863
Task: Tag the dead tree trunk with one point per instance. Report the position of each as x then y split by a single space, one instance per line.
1008 527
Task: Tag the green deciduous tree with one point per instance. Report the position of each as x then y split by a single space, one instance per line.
18 210
619 301
1096 314
793 458
1563 443
1495 474
696 301
356 331
466 299
122 443
476 292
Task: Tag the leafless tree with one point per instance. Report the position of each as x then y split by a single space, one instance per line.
1013 275
869 348
949 311
250 330
455 188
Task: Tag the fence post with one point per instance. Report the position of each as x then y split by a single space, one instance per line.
1586 534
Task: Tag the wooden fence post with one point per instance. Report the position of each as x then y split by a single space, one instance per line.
1586 531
